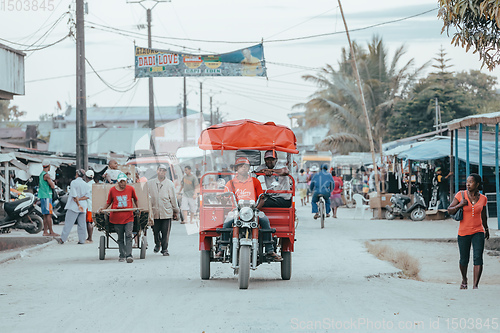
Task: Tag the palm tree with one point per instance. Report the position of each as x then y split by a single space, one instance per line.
338 103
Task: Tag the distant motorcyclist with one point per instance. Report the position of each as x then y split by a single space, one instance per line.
321 184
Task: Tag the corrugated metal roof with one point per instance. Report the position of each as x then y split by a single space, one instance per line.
101 140
129 113
485 118
11 133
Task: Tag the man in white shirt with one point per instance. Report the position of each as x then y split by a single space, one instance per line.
76 208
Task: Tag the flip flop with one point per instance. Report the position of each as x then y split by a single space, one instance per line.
463 286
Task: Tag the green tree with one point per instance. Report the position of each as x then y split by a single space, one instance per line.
10 113
458 94
337 103
477 24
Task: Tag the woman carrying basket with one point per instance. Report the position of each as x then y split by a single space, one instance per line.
473 228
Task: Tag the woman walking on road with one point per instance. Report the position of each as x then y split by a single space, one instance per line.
473 228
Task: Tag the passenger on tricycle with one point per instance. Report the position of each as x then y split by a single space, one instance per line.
274 173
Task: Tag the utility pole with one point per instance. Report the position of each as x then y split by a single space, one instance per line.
363 104
81 99
184 113
211 113
152 124
201 107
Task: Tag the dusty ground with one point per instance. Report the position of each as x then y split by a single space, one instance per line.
335 284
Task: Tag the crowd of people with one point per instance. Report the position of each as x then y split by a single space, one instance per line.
312 182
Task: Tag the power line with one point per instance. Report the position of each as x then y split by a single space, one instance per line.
109 85
72 75
266 41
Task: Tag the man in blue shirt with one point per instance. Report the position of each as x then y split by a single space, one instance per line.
321 183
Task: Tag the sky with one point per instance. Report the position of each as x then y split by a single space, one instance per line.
219 26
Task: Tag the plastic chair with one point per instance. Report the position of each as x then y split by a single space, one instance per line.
361 204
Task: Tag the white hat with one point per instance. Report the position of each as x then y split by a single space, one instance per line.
45 163
89 173
314 168
162 166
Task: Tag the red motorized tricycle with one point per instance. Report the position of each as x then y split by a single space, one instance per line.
244 242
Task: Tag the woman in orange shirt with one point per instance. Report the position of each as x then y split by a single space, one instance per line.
473 227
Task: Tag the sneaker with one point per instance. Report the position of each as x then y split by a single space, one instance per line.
166 254
156 249
130 259
121 259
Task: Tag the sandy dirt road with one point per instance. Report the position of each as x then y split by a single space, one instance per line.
335 285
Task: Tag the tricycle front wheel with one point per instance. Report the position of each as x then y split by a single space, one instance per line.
244 271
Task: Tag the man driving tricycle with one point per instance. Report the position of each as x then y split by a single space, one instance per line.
239 202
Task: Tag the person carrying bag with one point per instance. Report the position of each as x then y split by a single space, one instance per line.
459 215
473 229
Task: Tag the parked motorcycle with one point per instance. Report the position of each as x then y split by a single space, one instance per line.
21 215
400 208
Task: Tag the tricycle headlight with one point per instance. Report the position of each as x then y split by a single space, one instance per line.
246 214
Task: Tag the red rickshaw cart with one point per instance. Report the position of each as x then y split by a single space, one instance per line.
248 138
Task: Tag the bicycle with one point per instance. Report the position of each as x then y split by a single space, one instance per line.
321 210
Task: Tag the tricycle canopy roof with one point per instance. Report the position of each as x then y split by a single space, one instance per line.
248 135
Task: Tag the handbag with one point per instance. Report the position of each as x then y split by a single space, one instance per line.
459 215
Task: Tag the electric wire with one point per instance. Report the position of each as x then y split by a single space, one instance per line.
72 75
122 90
268 40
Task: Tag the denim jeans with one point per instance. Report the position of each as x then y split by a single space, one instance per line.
264 224
314 203
464 244
443 200
125 238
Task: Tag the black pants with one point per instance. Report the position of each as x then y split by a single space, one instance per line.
278 202
161 230
464 244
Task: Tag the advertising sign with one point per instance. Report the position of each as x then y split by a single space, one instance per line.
162 63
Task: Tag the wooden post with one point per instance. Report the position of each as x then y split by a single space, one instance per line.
363 104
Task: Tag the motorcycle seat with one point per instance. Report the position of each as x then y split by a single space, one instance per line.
9 207
405 199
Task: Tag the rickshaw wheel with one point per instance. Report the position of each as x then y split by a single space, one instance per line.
102 247
244 264
205 265
286 265
144 246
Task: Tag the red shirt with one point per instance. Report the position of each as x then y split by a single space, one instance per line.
121 199
249 189
338 185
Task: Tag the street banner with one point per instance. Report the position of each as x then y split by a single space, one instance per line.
162 63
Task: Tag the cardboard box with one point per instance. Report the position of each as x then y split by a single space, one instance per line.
380 202
435 214
100 195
